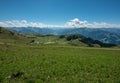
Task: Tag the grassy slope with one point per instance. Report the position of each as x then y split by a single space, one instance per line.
7 36
74 40
29 64
56 40
56 63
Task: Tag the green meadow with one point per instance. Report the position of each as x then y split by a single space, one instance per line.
53 59
38 63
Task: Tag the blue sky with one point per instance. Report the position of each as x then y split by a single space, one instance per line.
58 12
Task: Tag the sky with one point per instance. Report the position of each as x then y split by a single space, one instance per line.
63 13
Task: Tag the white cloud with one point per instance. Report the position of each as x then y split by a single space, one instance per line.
22 23
78 23
75 23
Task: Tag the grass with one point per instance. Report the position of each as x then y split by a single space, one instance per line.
45 39
23 60
58 64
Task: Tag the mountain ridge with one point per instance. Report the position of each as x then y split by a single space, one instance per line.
106 35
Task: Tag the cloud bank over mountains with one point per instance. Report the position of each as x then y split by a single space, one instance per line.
75 23
78 23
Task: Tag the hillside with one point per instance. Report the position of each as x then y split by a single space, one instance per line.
69 39
56 58
63 40
88 41
7 36
59 64
105 35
